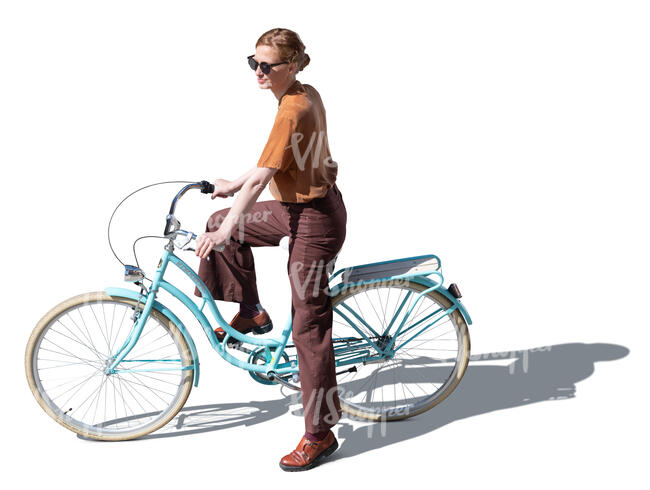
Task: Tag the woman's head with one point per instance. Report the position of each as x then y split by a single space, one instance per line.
279 46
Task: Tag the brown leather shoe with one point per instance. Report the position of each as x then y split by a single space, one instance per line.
309 453
258 324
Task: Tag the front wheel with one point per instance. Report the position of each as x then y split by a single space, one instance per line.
421 364
72 345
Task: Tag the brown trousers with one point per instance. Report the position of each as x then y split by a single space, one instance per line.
316 232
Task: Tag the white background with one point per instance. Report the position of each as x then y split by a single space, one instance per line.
508 137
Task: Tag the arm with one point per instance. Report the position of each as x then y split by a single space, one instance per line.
227 188
274 157
258 178
239 182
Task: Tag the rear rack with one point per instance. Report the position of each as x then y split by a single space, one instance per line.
419 265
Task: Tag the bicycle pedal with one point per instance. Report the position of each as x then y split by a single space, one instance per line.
263 329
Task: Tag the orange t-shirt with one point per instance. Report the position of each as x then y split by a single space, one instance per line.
298 147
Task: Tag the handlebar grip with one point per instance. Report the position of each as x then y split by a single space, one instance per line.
206 187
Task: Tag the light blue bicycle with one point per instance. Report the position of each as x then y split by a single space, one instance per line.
118 364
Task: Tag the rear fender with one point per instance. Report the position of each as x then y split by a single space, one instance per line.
425 281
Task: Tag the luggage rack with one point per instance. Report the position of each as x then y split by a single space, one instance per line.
419 265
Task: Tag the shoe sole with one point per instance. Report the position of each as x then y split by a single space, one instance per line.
256 331
263 329
315 462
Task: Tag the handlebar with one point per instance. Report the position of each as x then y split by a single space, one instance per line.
172 225
206 188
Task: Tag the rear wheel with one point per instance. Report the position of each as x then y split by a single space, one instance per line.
69 350
425 363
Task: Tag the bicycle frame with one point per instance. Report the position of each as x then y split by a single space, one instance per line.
272 346
351 353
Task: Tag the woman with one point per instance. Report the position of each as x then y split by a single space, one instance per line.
308 208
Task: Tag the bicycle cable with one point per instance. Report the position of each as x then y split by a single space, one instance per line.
140 238
136 256
121 202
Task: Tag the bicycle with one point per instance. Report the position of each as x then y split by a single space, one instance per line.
117 364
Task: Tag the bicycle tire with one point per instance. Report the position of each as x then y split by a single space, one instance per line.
346 395
105 431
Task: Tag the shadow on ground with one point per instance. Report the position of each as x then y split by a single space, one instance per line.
533 375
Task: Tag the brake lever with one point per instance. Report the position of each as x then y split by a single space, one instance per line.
191 236
188 237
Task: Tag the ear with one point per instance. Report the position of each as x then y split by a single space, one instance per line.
293 67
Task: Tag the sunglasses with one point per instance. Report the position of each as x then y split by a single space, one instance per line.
264 66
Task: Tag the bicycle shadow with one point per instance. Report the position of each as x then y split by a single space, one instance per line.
528 376
219 416
534 375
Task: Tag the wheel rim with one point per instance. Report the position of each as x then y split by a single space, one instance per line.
72 352
422 370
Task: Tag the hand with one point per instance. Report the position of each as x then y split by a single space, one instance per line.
208 241
222 188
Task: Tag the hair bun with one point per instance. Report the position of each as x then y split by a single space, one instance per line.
305 61
288 43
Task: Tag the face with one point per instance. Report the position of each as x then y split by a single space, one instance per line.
279 75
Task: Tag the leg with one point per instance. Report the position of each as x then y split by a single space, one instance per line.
312 330
230 275
315 241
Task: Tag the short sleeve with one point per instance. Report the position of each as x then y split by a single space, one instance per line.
278 150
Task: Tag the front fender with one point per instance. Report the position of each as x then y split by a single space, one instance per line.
130 294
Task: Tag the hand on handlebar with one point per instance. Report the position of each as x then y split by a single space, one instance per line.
222 188
208 241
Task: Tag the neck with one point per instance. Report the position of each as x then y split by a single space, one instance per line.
280 90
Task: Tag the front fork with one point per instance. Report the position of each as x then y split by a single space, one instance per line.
140 317
134 335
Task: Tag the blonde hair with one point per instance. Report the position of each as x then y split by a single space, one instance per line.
288 44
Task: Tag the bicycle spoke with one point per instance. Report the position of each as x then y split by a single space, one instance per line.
67 353
100 327
119 330
80 385
99 391
155 391
78 340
